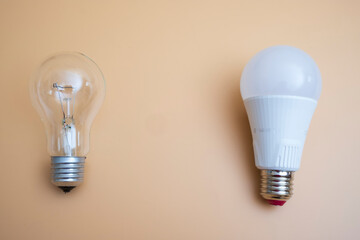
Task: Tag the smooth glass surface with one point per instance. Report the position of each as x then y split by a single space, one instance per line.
67 91
281 70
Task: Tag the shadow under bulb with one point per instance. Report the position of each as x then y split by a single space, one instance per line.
280 86
67 91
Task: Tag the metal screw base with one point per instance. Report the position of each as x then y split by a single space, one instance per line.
67 171
276 185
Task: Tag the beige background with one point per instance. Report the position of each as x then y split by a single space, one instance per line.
171 155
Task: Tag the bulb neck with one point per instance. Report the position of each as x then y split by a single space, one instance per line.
276 186
67 172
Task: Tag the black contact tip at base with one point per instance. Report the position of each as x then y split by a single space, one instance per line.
67 188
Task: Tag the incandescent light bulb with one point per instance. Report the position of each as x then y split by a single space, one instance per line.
280 86
67 91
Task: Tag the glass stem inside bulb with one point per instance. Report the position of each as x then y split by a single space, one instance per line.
67 101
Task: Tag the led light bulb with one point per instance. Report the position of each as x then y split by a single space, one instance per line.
67 91
280 86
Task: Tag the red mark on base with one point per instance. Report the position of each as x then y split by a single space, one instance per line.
276 202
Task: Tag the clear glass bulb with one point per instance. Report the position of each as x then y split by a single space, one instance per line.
67 91
281 70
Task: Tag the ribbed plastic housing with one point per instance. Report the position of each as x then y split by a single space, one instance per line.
279 125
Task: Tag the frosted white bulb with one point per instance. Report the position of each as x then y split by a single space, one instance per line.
67 91
281 70
280 87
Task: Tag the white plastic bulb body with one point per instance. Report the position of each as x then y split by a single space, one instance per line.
280 86
67 91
